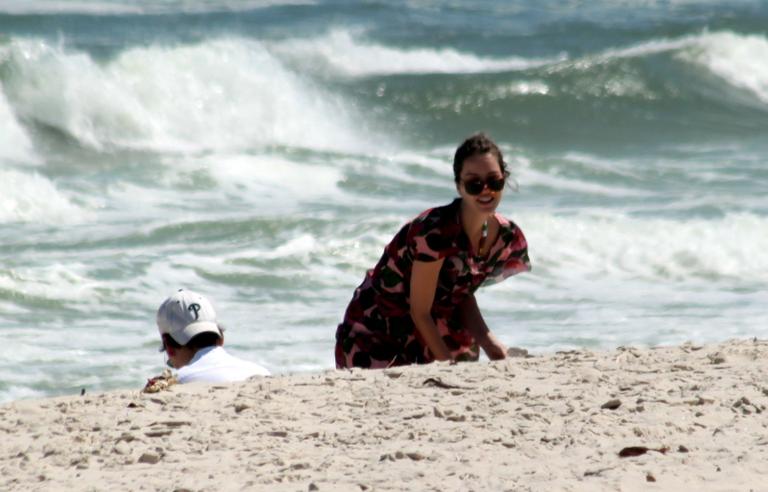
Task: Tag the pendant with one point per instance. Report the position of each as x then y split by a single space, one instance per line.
483 238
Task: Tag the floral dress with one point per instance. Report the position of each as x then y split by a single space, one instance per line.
378 331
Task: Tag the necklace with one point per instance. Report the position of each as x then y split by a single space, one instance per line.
483 238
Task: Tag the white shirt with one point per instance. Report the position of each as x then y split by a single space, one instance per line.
215 365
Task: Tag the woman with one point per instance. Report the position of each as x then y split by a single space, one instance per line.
418 305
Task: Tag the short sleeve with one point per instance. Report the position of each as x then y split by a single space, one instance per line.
431 237
512 258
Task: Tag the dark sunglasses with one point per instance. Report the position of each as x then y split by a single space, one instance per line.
476 186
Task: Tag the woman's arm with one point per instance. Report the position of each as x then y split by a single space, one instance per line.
473 321
423 286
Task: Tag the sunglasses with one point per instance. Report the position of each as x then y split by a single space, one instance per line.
476 186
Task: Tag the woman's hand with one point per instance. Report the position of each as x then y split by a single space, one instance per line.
493 348
474 322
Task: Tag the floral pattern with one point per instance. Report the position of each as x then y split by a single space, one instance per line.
377 330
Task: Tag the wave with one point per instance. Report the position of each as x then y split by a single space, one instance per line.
262 178
341 52
590 246
604 244
15 144
34 198
740 60
235 95
227 94
54 283
138 7
581 186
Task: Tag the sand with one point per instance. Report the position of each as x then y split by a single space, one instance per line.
688 418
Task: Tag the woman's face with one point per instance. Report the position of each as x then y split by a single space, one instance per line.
481 173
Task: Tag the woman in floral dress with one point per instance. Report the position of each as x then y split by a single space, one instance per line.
418 304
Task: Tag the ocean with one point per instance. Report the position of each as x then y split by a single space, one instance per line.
264 152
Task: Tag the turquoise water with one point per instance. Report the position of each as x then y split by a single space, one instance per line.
263 152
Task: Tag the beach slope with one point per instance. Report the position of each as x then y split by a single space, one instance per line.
668 418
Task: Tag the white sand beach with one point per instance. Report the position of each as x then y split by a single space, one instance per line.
689 418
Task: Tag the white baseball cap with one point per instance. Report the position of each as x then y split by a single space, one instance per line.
186 314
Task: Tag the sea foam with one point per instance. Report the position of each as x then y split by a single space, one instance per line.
226 94
612 245
30 197
740 60
346 53
15 145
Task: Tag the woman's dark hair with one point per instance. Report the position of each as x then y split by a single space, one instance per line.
477 144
